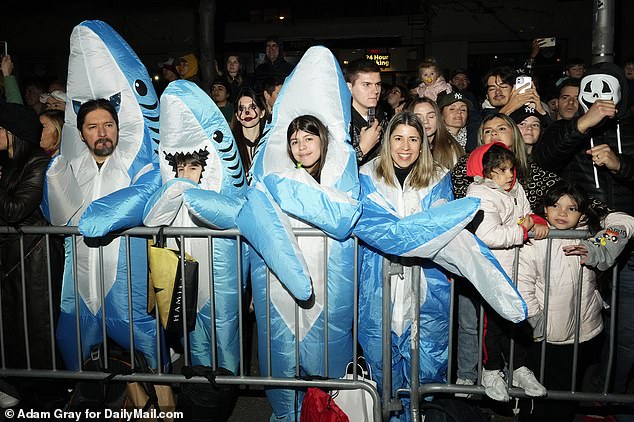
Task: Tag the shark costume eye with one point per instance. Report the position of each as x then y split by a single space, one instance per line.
218 136
140 87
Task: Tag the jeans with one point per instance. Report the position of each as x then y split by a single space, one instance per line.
467 334
624 354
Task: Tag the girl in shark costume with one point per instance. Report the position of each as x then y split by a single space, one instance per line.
406 223
191 123
286 197
102 200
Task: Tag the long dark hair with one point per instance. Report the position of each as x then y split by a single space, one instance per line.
236 126
314 126
590 216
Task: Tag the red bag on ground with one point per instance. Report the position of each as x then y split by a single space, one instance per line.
318 406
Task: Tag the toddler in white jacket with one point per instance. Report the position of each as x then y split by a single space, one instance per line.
504 224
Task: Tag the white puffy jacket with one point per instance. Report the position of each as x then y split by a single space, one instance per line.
564 284
499 228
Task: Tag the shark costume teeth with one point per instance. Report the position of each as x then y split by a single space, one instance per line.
192 125
102 200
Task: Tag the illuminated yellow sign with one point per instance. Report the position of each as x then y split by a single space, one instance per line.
383 60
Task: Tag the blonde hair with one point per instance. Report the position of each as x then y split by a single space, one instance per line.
424 169
444 148
518 147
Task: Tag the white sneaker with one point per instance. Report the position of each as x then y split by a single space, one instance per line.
494 385
464 381
525 379
8 395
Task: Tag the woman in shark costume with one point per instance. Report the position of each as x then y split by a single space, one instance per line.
102 200
284 197
192 125
409 217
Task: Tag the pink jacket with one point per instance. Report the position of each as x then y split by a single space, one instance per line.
431 91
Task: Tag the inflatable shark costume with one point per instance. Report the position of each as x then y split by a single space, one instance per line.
285 197
99 201
191 123
420 227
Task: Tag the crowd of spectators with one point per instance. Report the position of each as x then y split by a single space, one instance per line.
562 131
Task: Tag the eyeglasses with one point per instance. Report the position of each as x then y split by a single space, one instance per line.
251 107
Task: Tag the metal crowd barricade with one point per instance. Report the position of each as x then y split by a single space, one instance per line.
160 376
391 402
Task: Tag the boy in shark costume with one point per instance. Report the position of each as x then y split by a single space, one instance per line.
193 126
106 198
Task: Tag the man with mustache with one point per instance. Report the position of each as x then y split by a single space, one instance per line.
100 189
98 124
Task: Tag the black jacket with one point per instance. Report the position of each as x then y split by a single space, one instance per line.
20 198
280 68
563 148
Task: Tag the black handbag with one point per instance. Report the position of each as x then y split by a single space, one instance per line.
166 285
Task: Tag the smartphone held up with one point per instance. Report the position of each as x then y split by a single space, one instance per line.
3 48
522 83
547 42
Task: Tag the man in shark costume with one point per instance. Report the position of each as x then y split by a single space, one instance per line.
192 125
103 198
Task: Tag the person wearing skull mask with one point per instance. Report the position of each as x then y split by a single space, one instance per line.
596 150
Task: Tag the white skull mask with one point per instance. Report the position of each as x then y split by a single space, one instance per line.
598 86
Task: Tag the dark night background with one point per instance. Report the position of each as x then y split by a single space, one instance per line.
474 33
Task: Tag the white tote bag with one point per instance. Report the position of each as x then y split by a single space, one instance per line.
357 403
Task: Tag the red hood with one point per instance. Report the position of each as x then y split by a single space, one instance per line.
474 162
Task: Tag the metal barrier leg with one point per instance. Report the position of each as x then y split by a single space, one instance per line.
414 346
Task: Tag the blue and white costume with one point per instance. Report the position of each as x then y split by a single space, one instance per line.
191 122
422 227
286 197
102 200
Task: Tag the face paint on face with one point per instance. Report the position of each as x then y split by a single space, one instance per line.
248 112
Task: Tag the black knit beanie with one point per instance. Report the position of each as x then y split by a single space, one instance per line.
22 121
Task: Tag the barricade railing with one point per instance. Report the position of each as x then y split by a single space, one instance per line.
160 375
391 402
